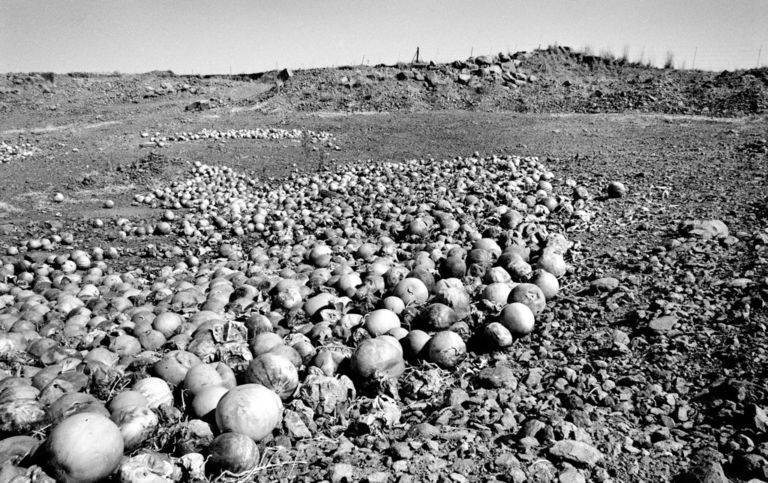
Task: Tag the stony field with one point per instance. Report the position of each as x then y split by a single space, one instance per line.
543 267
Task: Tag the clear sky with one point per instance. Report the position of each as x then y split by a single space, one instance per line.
223 36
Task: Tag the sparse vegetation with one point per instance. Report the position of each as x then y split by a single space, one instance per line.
669 61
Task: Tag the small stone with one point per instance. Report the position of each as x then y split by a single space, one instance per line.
620 337
576 452
534 378
295 426
580 193
401 451
740 282
706 468
707 229
378 477
506 461
345 447
746 466
342 473
528 443
707 472
605 284
663 324
457 396
508 420
459 478
532 427
516 475
424 430
500 376
661 433
571 475
759 417
400 466
541 471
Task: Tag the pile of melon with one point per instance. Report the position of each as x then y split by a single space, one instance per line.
314 137
306 291
11 152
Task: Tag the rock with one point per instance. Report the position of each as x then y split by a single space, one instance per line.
730 240
483 60
506 461
508 66
342 473
661 325
284 75
532 427
707 472
295 426
605 284
576 452
746 466
457 396
378 477
345 447
201 105
508 421
459 478
500 376
528 443
759 417
463 78
431 80
740 282
534 378
401 450
571 475
705 468
541 471
620 338
424 430
706 230
580 193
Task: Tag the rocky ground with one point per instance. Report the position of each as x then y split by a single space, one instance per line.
650 364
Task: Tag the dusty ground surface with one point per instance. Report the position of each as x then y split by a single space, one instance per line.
657 401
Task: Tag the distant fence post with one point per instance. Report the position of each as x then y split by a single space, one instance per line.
693 64
759 52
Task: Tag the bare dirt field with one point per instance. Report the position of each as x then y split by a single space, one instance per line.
650 364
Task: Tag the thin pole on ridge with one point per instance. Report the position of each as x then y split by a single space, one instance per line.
693 64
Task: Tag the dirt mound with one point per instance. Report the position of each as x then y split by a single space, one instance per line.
146 170
552 80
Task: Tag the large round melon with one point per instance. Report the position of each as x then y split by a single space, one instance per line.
250 409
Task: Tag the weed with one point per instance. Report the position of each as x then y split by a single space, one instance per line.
624 54
669 62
